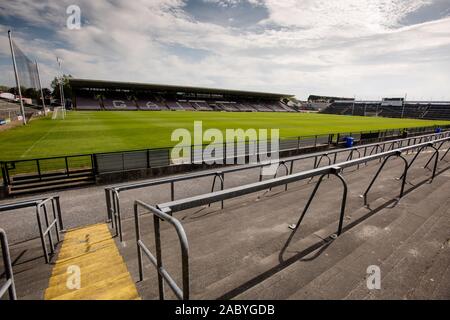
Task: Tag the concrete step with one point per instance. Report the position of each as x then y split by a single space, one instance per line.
306 268
350 272
411 264
227 259
217 262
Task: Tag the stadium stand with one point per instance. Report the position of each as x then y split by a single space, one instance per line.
186 105
119 104
174 105
246 249
84 103
411 109
161 97
148 105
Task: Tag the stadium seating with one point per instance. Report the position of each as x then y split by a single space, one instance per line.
414 110
438 112
150 105
157 102
173 105
244 107
119 104
262 107
202 106
84 103
186 106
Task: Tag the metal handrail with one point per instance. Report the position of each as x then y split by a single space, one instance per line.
41 206
112 193
165 211
182 294
153 182
9 284
196 201
49 226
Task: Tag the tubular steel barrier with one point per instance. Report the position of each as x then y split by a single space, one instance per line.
17 172
165 211
9 284
44 230
196 201
112 194
182 294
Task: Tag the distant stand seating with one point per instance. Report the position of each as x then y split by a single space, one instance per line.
119 104
173 105
186 106
413 110
202 106
84 103
158 103
150 105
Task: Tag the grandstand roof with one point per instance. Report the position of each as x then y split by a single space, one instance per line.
86 83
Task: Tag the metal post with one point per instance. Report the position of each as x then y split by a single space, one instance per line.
405 172
58 207
67 166
22 109
119 219
40 88
108 205
138 239
7 265
344 199
158 256
61 88
49 232
445 154
55 219
41 234
436 156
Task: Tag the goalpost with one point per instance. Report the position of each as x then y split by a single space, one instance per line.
59 113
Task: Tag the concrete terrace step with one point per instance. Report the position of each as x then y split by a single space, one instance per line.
404 270
221 284
208 268
349 273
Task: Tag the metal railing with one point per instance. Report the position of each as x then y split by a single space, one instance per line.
9 284
165 211
44 230
122 161
44 169
205 199
112 194
182 294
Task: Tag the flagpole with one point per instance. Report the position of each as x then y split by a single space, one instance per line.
22 109
40 88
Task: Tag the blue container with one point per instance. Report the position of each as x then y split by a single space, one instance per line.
438 130
349 141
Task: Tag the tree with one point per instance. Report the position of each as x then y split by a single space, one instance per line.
31 93
4 88
47 93
66 87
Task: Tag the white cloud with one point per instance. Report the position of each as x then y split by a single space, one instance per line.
343 47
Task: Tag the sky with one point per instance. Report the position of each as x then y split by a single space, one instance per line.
364 48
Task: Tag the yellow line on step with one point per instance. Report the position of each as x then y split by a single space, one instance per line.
90 267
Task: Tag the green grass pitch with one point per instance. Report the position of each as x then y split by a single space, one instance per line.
90 132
